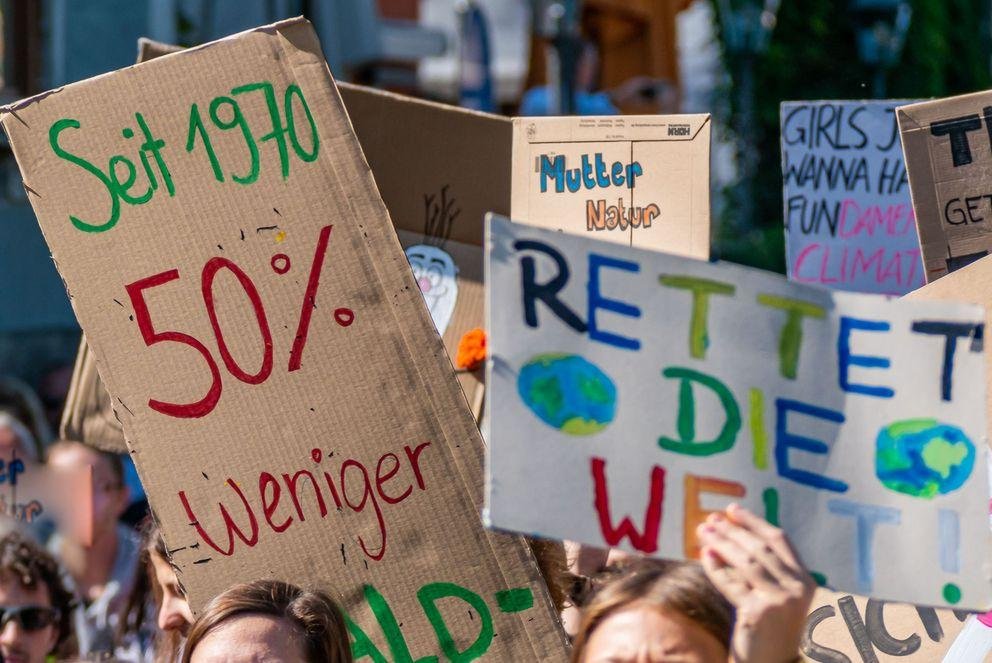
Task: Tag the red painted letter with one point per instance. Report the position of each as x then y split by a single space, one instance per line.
232 529
646 542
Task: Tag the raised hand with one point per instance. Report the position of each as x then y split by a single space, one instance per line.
753 564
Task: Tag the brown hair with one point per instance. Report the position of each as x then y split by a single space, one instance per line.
146 591
551 562
680 587
24 561
312 612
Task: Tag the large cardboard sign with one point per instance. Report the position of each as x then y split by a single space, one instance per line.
286 398
948 150
849 222
439 169
654 387
640 180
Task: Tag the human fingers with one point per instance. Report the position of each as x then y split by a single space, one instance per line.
761 552
770 534
724 578
714 535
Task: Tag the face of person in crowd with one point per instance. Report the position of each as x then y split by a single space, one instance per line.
173 613
641 633
110 495
27 638
251 638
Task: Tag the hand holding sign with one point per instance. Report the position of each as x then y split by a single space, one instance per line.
753 564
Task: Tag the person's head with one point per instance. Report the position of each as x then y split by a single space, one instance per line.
269 620
174 614
110 494
34 603
656 611
157 591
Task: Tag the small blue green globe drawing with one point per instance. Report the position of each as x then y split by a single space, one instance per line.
923 458
568 393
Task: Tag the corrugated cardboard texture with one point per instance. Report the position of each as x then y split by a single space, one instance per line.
89 415
439 169
883 633
373 400
670 196
947 144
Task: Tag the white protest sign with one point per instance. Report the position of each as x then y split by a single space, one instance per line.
849 221
630 391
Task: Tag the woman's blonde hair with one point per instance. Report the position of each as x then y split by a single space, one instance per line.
313 613
679 587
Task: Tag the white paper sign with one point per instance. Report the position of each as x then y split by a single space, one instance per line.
849 221
632 391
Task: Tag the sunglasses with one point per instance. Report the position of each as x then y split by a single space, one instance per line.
29 617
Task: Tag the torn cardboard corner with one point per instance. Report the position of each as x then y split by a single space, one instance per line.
149 49
638 180
947 144
290 406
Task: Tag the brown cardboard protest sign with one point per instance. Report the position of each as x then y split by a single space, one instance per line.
88 415
286 398
844 628
947 146
639 180
439 169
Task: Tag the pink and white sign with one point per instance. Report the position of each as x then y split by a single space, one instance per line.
849 221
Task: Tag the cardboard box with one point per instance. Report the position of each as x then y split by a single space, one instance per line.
286 398
947 145
640 180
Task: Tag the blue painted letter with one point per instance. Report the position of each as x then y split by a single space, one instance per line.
597 301
784 440
866 517
845 359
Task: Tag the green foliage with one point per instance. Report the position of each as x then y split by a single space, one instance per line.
813 55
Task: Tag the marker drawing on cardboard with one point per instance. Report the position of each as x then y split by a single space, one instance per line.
845 628
286 397
948 149
656 387
849 222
